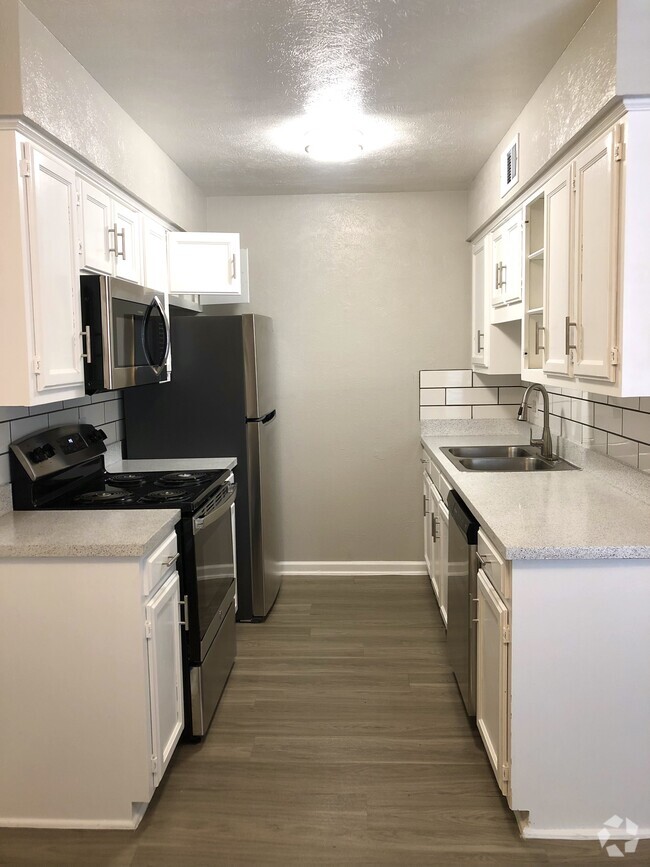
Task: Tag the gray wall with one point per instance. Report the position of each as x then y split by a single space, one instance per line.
365 291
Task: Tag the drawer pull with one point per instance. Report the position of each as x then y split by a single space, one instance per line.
170 560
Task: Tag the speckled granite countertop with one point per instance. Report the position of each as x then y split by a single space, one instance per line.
85 533
171 465
601 512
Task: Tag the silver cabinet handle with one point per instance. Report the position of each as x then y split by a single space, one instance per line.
185 622
121 235
170 560
504 280
114 231
482 561
86 350
424 461
424 506
479 335
568 346
234 266
538 346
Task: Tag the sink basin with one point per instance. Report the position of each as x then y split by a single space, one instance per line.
503 459
489 451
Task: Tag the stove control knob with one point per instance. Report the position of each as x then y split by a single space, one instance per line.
101 435
37 455
48 450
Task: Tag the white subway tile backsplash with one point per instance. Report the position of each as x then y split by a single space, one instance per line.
445 412
92 414
471 396
644 458
111 433
636 425
609 418
495 411
432 397
113 410
623 450
63 416
644 404
22 427
560 405
489 381
445 378
104 396
7 413
45 407
582 411
76 401
626 402
511 395
5 436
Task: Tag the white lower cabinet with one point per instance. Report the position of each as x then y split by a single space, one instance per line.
443 545
436 529
492 693
427 502
92 687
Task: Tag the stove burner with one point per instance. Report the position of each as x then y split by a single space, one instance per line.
166 495
127 479
181 480
115 496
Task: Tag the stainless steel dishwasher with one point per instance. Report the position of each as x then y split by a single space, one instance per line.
461 611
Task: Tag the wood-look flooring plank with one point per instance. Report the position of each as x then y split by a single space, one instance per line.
341 740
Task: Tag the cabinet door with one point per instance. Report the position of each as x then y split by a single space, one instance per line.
128 243
95 228
51 206
156 272
479 330
557 271
595 244
498 260
443 545
492 677
512 271
436 502
165 672
205 263
427 504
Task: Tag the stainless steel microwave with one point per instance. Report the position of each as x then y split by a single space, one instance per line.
126 332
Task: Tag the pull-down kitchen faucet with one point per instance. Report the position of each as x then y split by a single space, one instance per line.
546 442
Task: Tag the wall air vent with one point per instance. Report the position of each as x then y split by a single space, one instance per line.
510 166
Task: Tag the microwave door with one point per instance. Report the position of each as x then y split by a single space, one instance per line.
156 336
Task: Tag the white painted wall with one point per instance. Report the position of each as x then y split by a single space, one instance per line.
581 84
633 50
365 291
45 84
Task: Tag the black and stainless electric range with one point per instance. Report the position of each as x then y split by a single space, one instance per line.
63 468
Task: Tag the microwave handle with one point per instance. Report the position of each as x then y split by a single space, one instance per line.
147 316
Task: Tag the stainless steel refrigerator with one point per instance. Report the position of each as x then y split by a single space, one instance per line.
221 403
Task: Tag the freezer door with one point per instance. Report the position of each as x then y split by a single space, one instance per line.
259 365
264 505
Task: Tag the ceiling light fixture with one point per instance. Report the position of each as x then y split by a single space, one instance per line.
334 145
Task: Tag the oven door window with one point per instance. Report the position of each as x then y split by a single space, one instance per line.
215 570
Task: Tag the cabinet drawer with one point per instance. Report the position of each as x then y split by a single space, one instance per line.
444 488
495 567
158 563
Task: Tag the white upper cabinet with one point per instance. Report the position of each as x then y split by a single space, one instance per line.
205 263
592 331
479 350
557 272
498 257
111 234
156 270
511 271
51 206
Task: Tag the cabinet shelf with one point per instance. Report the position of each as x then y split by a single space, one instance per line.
537 255
535 311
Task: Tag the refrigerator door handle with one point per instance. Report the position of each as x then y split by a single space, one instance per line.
264 419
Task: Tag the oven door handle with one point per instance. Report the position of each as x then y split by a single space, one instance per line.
201 523
155 304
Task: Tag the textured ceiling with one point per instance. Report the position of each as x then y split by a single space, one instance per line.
229 88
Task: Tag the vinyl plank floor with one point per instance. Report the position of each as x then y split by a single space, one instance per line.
340 740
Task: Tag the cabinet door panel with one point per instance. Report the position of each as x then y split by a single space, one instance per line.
95 224
436 502
426 498
479 330
165 672
51 204
596 225
205 263
498 260
443 545
513 274
492 677
156 272
557 270
128 258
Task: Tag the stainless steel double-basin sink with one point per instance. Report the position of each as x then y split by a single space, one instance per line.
503 459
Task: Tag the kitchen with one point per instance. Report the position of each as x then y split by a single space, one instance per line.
341 735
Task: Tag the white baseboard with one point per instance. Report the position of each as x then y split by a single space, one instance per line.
353 568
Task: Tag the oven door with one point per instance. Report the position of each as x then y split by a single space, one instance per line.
137 345
215 566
